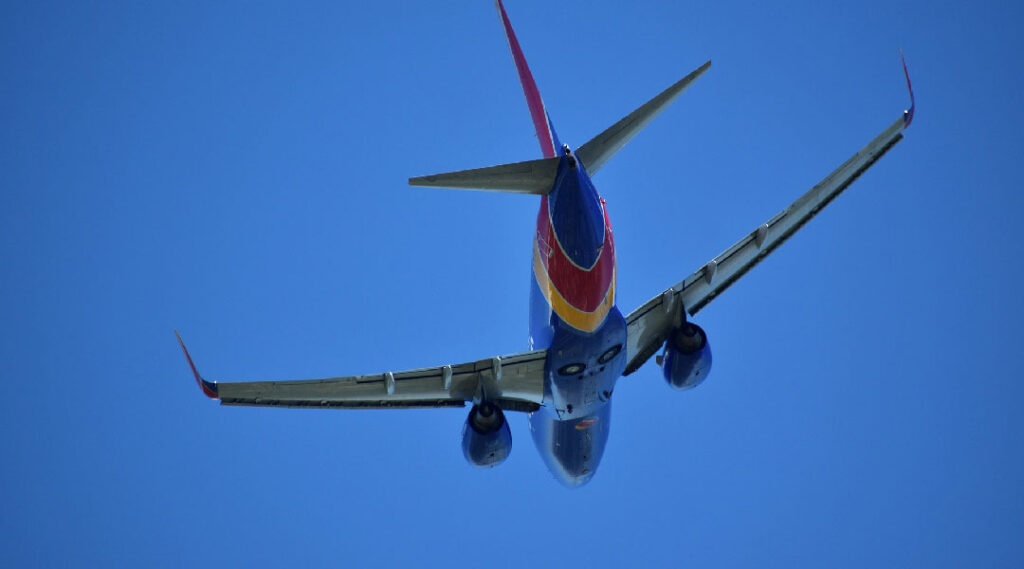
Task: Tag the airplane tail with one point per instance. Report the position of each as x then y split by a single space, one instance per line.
538 176
602 147
546 136
530 177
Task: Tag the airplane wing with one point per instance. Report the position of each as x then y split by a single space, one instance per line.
514 382
649 325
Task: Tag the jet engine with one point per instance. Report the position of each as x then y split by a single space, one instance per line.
687 359
486 438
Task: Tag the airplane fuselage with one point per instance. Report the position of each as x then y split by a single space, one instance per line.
573 315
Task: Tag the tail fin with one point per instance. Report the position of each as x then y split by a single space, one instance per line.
541 121
602 147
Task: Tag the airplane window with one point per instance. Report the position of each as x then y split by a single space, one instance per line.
572 369
610 353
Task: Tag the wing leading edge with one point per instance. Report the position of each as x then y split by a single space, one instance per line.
649 325
514 382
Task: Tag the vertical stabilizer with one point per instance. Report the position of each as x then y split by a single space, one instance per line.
541 121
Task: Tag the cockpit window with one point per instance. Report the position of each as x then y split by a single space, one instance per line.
572 369
610 353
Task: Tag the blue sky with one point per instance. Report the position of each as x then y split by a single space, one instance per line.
237 171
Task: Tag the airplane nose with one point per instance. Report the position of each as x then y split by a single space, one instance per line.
571 449
570 481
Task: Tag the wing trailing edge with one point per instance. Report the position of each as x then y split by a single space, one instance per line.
600 149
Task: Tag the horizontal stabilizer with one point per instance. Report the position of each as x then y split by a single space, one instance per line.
530 177
602 147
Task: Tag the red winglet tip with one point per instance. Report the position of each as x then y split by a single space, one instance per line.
908 115
209 388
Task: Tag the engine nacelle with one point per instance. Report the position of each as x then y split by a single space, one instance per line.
687 360
486 438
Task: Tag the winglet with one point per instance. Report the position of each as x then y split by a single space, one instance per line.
209 388
908 115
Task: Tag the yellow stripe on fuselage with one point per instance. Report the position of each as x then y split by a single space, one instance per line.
579 319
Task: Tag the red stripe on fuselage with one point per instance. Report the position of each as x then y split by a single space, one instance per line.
585 288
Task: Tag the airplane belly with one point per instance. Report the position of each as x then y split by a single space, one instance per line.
572 449
581 369
571 431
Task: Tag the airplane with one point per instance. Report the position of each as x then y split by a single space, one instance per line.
580 343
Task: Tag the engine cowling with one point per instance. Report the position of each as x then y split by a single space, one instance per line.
486 437
687 360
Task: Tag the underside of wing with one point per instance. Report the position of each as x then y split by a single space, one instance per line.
718 274
514 383
649 325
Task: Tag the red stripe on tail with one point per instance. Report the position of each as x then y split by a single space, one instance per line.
537 113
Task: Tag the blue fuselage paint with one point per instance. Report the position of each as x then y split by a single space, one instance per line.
571 429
